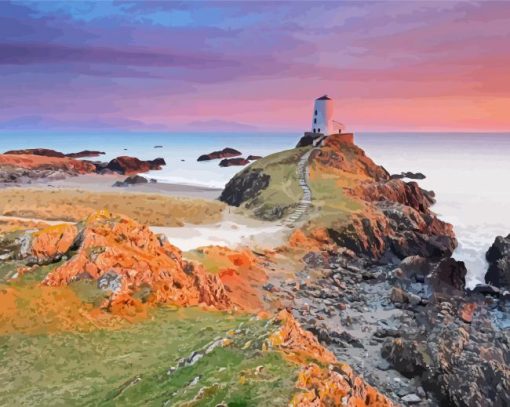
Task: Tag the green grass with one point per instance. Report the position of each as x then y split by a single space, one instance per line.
284 190
129 366
330 202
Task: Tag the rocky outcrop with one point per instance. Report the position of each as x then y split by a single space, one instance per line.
322 381
253 157
455 347
405 193
395 231
460 358
126 165
24 168
498 257
46 152
338 154
244 187
140 266
395 221
225 153
132 180
229 162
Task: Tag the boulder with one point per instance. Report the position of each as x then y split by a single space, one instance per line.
406 356
253 157
225 153
498 257
131 165
131 180
229 162
448 274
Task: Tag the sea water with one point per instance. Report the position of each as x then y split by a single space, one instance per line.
468 171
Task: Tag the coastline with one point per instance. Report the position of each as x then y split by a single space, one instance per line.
104 183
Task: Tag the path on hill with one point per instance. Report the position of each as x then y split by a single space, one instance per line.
306 201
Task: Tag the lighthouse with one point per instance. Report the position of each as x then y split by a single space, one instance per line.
323 125
322 119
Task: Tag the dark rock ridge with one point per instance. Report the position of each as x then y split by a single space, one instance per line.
253 157
86 153
242 188
229 162
408 174
498 257
225 153
46 152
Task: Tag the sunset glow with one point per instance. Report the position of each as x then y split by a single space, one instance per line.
390 66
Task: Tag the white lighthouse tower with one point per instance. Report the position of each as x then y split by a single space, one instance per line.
322 120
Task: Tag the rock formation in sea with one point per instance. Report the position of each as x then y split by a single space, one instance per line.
26 166
227 152
498 257
229 162
126 165
53 153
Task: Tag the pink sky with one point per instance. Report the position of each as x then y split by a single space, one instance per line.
390 66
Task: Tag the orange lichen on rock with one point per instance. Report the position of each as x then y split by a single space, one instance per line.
53 241
335 386
239 271
128 259
317 239
337 154
296 343
324 380
466 312
36 162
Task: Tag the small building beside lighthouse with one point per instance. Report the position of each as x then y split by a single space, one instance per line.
322 119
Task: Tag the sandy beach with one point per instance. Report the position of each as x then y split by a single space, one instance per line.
104 183
189 216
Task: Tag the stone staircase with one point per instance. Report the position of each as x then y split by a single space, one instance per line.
306 201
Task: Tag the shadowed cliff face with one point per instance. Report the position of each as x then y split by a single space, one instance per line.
392 219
